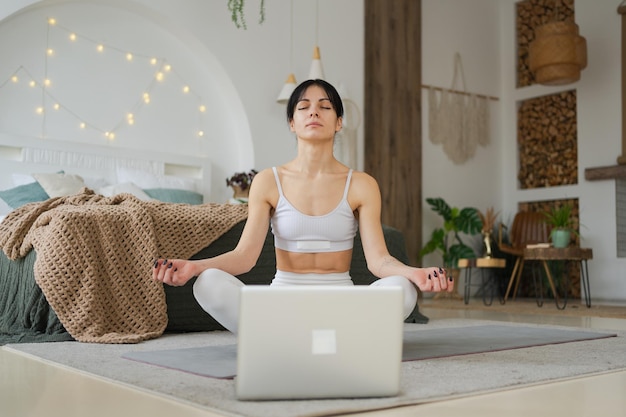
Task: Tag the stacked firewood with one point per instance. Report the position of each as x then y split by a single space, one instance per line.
529 15
547 141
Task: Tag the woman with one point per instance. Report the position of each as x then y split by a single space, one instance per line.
314 204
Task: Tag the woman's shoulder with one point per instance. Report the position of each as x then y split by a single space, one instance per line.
363 177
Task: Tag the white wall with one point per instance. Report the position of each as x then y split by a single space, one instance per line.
247 68
471 29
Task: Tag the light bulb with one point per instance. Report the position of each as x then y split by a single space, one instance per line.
39 110
201 133
202 108
14 78
82 125
159 76
50 51
146 98
73 37
47 82
100 48
129 56
153 61
52 21
56 106
167 68
32 83
186 89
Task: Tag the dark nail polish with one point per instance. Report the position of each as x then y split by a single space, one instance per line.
435 274
441 271
170 265
156 263
450 279
429 276
164 261
175 269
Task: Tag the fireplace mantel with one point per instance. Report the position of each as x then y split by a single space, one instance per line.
605 173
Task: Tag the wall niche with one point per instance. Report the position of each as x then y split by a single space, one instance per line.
547 141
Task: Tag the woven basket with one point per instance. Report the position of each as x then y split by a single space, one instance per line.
558 53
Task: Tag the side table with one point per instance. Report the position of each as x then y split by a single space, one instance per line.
572 254
481 263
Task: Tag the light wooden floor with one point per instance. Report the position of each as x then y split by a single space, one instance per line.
32 388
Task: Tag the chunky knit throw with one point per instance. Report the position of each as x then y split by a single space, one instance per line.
95 257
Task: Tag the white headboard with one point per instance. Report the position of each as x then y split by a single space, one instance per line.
28 155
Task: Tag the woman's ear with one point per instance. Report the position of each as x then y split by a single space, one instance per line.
339 124
291 126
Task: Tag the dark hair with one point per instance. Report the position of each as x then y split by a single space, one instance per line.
297 94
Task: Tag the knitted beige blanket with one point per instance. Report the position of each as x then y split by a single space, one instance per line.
95 256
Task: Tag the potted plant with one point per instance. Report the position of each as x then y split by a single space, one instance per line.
447 239
563 225
240 183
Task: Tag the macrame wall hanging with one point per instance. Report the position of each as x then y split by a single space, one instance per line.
457 119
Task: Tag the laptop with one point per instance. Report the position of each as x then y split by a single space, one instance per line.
304 342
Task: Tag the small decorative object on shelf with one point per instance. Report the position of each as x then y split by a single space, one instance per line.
240 183
489 220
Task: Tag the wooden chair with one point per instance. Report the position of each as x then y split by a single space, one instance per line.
528 228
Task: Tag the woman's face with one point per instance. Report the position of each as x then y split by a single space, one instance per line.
315 116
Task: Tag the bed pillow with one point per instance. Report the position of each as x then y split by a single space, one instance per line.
146 180
60 184
23 194
127 187
173 195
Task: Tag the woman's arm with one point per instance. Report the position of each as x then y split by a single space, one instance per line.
365 196
245 255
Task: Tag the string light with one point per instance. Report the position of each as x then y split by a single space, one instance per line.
110 134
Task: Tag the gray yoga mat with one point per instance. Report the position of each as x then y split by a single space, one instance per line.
221 361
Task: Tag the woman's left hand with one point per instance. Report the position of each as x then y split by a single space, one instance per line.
433 279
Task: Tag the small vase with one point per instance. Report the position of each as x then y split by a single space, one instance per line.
240 196
560 238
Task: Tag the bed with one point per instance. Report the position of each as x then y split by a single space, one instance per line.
75 260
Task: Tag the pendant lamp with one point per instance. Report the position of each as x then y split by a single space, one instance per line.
290 83
285 93
558 53
316 71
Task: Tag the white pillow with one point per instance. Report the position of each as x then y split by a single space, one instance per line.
95 183
127 187
146 180
22 179
59 185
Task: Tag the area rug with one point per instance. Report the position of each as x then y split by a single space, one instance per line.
421 381
221 361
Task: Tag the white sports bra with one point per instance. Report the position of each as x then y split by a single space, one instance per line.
297 232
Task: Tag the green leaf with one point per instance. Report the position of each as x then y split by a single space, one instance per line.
439 206
469 221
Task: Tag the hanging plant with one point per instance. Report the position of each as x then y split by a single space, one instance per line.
237 15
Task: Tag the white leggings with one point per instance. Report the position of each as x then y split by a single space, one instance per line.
217 291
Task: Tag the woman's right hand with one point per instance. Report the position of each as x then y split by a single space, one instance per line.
174 272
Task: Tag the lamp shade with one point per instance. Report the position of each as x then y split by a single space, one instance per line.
317 71
558 53
285 93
